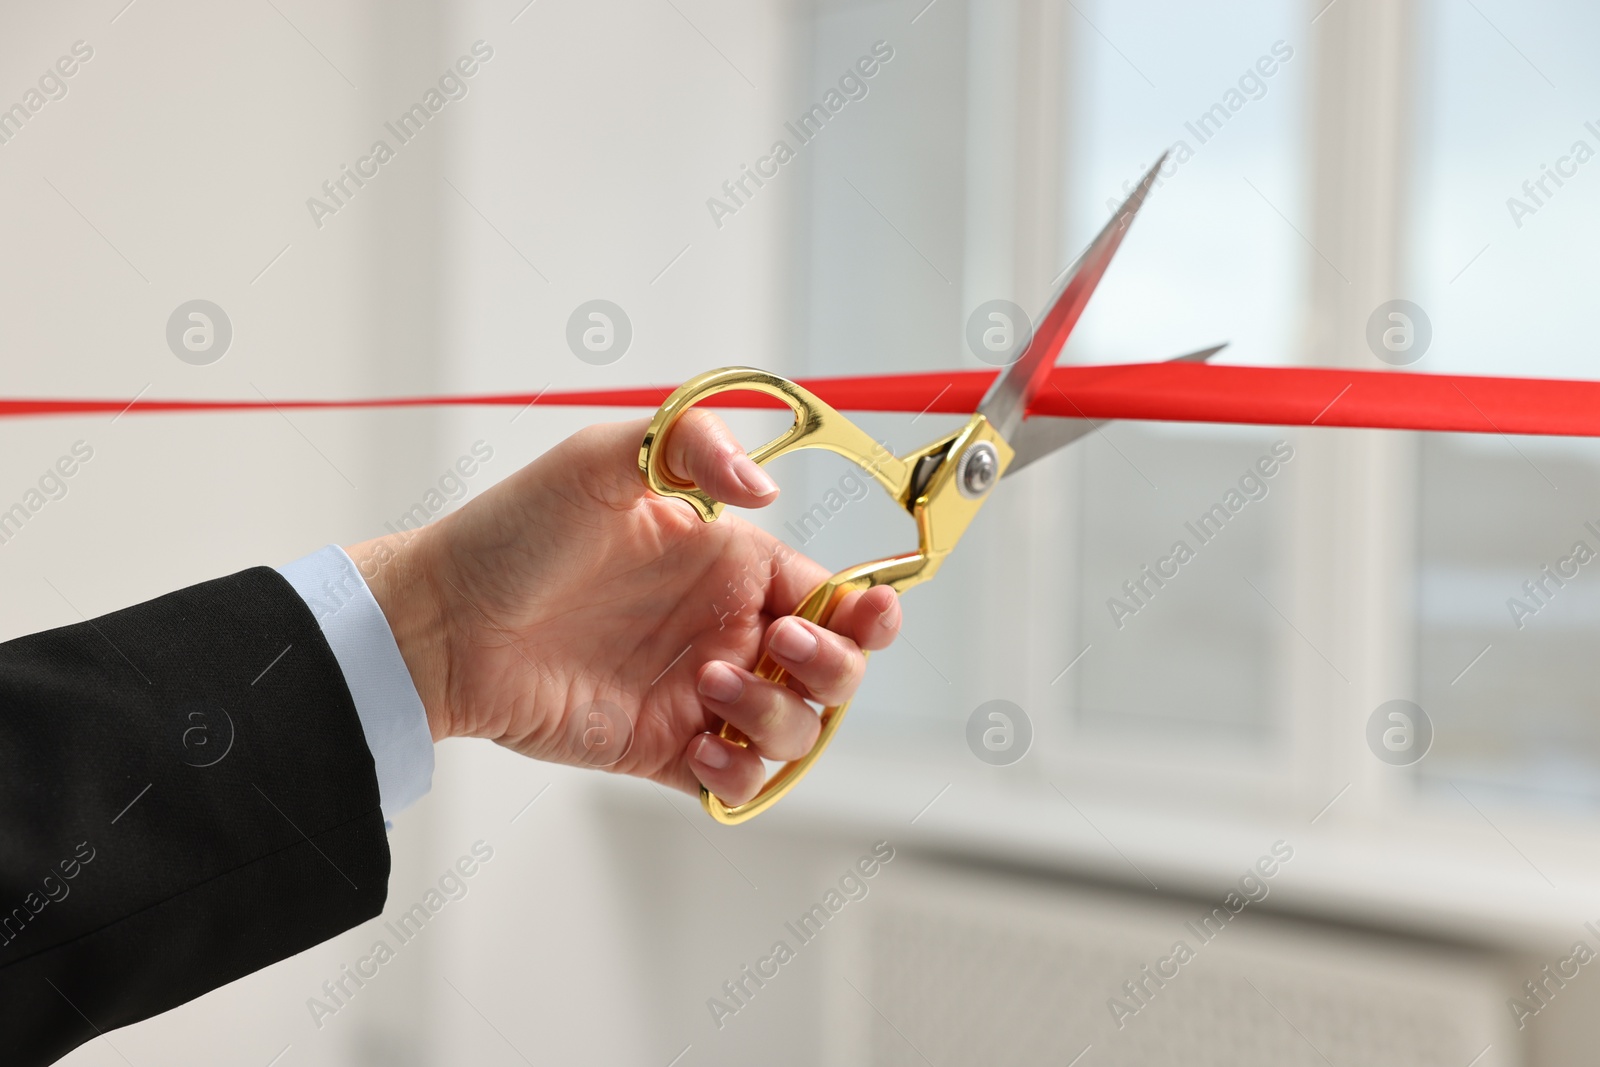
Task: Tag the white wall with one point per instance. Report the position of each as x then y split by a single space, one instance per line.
190 141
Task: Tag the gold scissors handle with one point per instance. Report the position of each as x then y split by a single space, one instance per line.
941 507
816 425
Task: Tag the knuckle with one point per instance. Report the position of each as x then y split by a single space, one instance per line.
841 669
711 423
787 726
706 432
770 718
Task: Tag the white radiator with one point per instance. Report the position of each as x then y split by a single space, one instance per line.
951 967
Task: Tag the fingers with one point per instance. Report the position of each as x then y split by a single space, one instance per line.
733 773
701 449
778 722
871 618
776 719
824 664
827 664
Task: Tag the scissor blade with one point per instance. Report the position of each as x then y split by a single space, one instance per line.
1044 434
1007 400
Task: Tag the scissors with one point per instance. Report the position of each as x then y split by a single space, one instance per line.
942 484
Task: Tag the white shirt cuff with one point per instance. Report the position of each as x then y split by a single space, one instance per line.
391 712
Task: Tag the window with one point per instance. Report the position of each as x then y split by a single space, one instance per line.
1213 257
918 213
1507 201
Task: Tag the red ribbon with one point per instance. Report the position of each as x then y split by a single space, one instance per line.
1172 392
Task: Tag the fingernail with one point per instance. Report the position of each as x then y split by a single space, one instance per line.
793 642
752 477
713 755
721 683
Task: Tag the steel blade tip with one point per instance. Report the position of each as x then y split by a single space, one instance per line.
1006 402
1201 355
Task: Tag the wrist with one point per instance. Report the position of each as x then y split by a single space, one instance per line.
396 570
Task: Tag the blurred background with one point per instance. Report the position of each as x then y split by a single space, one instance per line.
1411 882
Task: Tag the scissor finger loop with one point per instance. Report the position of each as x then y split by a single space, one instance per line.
816 425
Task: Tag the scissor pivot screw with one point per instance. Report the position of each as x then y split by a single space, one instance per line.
975 473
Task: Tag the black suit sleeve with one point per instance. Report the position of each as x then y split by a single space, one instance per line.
186 796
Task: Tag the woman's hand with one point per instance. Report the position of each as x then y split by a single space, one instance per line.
574 616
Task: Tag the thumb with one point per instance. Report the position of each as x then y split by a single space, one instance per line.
700 449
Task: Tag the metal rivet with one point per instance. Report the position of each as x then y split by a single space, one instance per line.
976 472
